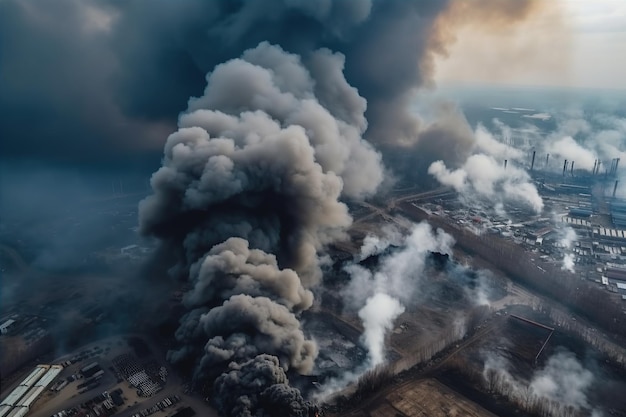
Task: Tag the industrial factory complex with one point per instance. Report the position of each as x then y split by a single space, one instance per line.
579 236
582 229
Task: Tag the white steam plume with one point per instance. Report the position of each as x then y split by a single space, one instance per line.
483 177
381 296
562 382
568 237
378 316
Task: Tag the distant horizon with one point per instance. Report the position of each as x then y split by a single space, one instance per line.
478 84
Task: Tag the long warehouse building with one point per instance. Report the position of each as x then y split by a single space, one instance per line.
18 402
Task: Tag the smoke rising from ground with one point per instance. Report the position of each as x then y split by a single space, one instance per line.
378 315
382 295
567 239
250 189
259 387
563 381
399 272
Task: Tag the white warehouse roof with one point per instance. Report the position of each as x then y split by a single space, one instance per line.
15 395
18 412
31 396
4 410
34 376
49 376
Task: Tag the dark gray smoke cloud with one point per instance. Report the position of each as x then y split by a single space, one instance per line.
106 80
258 156
250 188
101 82
259 387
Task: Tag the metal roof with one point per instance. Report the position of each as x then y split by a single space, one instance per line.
31 396
15 395
18 412
4 410
34 376
7 323
49 376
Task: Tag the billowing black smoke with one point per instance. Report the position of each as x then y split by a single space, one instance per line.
250 190
259 387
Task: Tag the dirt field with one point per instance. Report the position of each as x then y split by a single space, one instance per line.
426 398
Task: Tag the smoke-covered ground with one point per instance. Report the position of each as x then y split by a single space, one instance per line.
568 378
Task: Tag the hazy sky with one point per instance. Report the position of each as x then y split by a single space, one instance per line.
580 43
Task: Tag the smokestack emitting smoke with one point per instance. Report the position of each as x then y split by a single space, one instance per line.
614 164
505 163
564 167
572 169
547 159
615 188
595 164
532 163
250 187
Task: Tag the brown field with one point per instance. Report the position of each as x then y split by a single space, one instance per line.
425 398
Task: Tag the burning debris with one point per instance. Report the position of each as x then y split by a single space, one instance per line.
259 387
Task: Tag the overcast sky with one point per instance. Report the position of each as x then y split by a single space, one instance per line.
581 43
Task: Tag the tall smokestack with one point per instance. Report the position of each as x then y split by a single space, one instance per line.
532 163
598 167
615 188
547 159
505 162
616 164
595 163
564 167
572 170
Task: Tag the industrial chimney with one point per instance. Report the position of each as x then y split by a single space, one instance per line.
615 188
564 167
532 163
547 159
572 170
505 162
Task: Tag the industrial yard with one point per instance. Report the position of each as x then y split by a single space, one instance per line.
114 376
124 376
441 339
579 242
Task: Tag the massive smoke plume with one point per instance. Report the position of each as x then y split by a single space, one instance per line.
250 188
258 156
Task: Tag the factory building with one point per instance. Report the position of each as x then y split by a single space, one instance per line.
618 213
18 402
610 234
